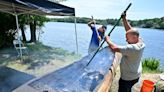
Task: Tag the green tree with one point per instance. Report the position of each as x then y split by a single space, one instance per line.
23 21
161 25
34 22
7 29
133 23
111 21
38 21
148 24
8 23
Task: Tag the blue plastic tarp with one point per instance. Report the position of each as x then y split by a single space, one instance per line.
77 77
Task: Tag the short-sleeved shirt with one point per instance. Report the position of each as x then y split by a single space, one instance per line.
94 43
131 65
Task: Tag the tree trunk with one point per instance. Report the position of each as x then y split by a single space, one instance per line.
33 31
23 33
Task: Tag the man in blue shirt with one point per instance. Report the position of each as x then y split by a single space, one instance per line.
97 36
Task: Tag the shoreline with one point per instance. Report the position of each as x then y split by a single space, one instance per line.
160 29
39 61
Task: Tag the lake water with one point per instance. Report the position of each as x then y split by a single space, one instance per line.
63 35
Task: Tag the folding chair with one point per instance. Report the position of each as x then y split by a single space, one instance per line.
17 46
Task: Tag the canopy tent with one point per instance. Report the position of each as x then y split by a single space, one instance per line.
37 7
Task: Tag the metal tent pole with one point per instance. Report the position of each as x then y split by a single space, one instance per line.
17 25
76 35
19 39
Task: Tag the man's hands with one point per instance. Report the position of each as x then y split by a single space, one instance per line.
91 22
123 15
125 22
107 39
113 46
99 38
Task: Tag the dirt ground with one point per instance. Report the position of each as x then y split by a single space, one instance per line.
38 61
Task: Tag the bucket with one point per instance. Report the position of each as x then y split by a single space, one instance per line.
147 86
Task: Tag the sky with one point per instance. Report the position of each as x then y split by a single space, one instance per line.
103 9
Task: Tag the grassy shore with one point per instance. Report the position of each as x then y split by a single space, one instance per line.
39 60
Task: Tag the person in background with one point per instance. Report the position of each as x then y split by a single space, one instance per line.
97 36
130 65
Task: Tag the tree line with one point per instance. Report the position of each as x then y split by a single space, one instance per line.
157 23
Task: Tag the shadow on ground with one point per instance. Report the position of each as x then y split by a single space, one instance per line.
10 79
39 61
38 56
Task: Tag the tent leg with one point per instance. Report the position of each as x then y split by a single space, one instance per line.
76 35
19 38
